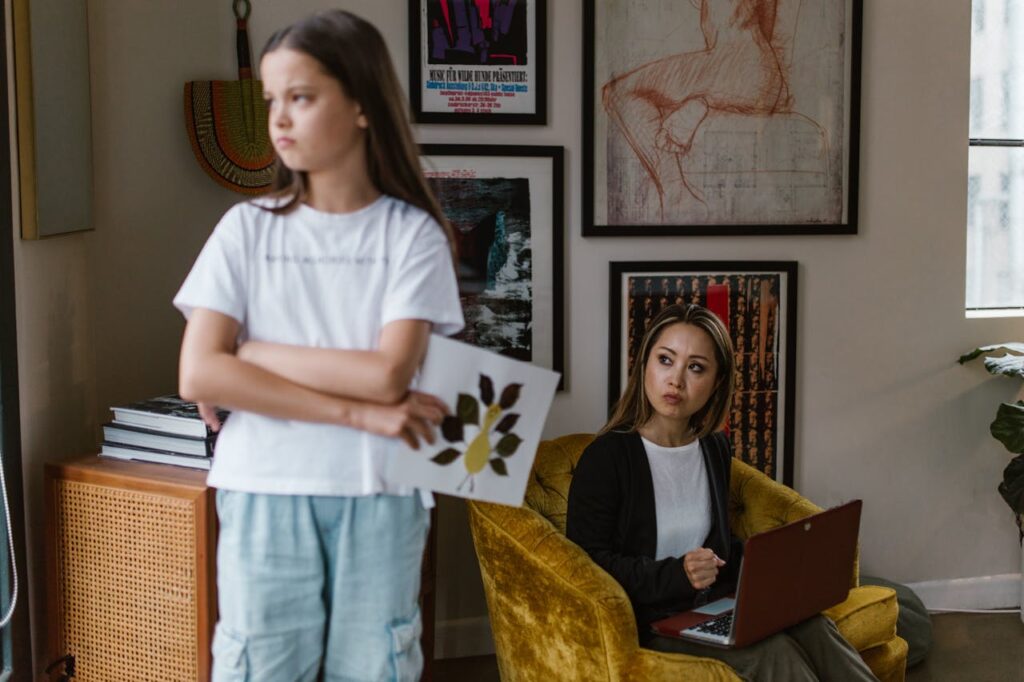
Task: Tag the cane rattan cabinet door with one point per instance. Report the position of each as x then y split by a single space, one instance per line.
130 568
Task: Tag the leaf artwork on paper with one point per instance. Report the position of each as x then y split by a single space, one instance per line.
485 450
481 431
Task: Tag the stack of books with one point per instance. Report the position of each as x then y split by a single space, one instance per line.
167 430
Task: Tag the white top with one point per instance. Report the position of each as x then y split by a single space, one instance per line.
325 280
682 498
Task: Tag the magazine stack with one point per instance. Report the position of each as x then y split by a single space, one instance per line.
166 430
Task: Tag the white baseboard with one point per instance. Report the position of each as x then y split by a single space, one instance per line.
984 592
460 637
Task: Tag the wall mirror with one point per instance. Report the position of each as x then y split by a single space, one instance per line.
54 123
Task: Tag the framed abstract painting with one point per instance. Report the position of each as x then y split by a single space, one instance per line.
720 117
478 61
757 300
505 205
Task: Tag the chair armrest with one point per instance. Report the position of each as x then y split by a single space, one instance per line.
507 535
868 616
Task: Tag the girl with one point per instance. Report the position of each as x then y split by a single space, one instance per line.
308 315
648 501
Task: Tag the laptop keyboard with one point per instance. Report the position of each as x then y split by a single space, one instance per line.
721 626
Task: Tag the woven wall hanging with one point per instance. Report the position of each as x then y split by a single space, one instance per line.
227 122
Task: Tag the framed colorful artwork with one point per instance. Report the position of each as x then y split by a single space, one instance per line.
757 300
720 117
478 61
505 206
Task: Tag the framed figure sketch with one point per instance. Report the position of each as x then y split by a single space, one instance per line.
757 302
478 61
505 206
720 117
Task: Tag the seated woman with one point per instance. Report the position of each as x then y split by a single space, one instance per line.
648 501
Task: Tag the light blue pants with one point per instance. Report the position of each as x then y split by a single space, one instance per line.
311 585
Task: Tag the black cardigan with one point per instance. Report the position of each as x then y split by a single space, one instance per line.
611 516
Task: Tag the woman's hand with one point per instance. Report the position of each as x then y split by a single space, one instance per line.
701 566
412 420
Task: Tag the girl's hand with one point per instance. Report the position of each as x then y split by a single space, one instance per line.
701 566
412 420
209 414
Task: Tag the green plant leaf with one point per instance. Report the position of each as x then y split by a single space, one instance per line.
486 390
1008 426
507 446
506 424
499 466
510 395
1007 365
1005 359
446 456
468 409
1012 487
451 429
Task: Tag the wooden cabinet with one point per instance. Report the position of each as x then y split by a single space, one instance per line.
130 569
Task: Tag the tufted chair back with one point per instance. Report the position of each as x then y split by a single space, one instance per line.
547 491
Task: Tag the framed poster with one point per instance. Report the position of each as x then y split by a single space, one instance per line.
720 117
757 302
505 206
478 61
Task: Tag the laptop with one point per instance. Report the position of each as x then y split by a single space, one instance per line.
787 575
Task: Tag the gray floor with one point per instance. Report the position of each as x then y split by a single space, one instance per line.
975 647
966 648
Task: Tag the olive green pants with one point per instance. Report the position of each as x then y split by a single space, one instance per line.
812 650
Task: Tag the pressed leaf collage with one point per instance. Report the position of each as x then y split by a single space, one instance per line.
490 419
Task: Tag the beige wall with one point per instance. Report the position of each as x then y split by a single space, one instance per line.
883 412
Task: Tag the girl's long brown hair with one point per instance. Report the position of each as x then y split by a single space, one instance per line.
633 408
352 50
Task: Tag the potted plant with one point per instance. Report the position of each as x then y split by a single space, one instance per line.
1007 359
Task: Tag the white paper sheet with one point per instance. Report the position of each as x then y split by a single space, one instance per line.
485 450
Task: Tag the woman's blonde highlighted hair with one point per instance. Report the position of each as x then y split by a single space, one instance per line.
633 409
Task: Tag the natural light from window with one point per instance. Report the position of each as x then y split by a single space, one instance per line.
995 184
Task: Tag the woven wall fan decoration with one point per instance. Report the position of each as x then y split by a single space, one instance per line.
227 122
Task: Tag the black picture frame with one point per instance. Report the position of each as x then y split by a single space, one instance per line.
764 400
757 167
468 91
520 182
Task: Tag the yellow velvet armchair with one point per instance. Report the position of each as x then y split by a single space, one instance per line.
555 615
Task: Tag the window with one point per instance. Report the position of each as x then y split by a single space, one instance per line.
1007 104
995 189
977 102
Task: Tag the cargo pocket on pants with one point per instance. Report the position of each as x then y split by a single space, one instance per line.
406 656
230 663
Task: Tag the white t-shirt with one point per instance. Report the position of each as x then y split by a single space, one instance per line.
324 280
682 498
